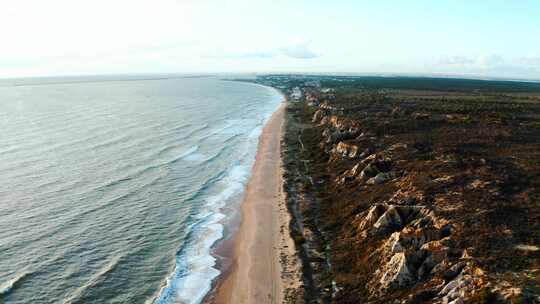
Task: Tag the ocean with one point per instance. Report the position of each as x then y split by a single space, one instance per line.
115 189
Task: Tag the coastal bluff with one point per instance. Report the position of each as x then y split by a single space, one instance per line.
413 196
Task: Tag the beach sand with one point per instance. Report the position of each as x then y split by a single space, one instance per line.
264 262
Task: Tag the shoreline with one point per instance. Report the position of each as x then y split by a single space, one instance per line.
222 251
261 249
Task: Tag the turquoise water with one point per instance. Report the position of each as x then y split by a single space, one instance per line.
111 190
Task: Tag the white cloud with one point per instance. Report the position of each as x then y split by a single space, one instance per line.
483 61
299 51
456 60
260 55
488 65
242 55
530 61
490 61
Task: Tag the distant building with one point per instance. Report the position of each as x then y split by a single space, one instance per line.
296 93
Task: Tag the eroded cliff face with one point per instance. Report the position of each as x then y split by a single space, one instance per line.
418 201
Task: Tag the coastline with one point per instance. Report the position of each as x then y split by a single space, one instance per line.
221 251
262 251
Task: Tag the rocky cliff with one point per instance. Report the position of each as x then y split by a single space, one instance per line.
401 198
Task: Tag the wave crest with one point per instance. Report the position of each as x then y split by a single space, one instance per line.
8 286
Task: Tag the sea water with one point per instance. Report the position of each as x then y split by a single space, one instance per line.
113 189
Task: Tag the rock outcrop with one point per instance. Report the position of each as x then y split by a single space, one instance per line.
348 150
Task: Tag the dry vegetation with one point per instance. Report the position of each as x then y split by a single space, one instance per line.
415 196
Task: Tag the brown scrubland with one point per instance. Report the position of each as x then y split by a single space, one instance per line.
414 193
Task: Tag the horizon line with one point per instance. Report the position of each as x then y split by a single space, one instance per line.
172 75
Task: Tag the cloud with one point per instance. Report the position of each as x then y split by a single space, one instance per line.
489 65
478 62
456 60
490 61
299 51
534 61
258 55
262 54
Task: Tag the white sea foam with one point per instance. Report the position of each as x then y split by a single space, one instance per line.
199 264
195 266
189 152
7 286
192 155
171 154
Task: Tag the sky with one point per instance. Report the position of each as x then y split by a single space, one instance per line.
461 37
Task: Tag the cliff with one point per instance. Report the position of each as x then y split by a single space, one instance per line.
415 197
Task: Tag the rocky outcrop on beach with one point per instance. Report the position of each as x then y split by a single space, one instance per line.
415 200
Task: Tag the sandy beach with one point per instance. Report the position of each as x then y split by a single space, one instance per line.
264 260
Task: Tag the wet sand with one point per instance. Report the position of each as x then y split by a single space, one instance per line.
259 273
